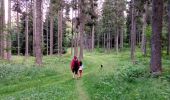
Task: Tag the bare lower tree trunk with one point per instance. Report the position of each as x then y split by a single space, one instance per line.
60 13
168 47
47 37
143 30
104 41
72 33
82 24
81 40
34 26
93 37
121 37
1 26
42 34
3 33
38 51
18 35
157 11
9 32
51 33
117 40
26 30
133 32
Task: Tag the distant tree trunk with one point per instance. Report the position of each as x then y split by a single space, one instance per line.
9 32
26 31
4 35
143 30
51 34
121 37
104 45
117 40
60 29
93 29
42 34
18 35
82 24
1 26
72 33
47 37
109 40
133 32
157 14
34 25
38 51
168 49
98 41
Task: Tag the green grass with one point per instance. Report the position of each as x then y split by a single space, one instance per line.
118 80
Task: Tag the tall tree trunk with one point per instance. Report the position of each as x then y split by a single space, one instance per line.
60 28
34 25
1 26
18 34
82 24
26 31
9 32
42 34
157 14
121 37
4 35
104 41
143 30
38 52
133 32
47 37
168 49
51 33
93 29
98 40
72 33
117 40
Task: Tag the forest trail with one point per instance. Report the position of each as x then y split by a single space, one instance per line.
82 94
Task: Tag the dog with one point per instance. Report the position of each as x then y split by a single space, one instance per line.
101 66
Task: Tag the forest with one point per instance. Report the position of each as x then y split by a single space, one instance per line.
123 47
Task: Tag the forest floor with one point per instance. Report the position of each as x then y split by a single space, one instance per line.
117 80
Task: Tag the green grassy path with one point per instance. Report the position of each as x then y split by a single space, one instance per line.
118 80
82 94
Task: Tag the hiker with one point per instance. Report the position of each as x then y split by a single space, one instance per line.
80 69
75 67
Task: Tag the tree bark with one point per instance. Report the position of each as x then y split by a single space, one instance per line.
144 29
51 33
60 28
2 18
38 52
47 37
157 14
18 35
1 26
117 40
133 32
104 45
168 47
93 27
9 32
26 30
121 37
4 39
34 25
82 24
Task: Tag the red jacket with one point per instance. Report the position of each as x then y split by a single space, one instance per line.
72 64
